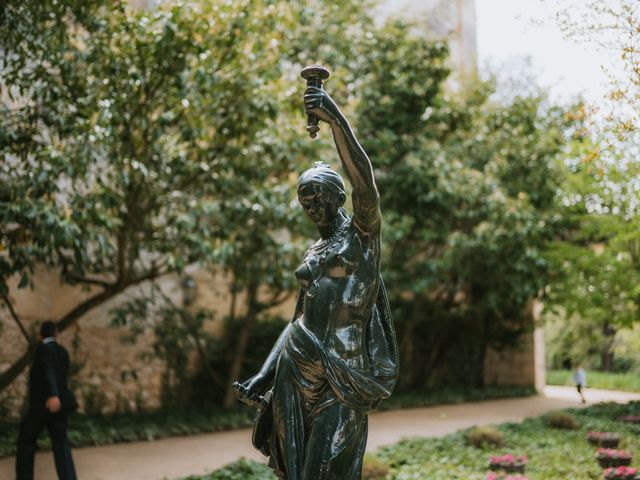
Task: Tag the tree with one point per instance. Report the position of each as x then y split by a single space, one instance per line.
128 138
146 142
163 147
468 186
612 27
593 291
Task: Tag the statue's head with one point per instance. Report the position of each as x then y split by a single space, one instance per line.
321 192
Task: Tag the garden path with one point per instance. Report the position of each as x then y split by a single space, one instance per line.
181 456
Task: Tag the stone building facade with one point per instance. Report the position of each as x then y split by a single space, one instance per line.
453 20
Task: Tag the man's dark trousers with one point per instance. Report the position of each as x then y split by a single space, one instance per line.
47 378
32 425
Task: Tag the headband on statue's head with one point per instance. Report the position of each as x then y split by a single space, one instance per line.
323 174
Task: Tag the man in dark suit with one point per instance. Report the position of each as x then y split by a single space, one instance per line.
50 403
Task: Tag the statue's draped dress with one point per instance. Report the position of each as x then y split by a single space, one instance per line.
339 360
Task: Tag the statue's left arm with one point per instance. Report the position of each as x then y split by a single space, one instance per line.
366 200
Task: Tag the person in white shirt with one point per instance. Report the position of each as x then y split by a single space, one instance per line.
580 379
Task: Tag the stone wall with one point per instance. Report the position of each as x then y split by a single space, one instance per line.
521 365
518 366
103 360
110 372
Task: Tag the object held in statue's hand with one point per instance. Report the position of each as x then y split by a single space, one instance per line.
314 75
256 401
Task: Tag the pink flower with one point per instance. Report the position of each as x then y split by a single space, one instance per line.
508 459
620 473
630 418
612 453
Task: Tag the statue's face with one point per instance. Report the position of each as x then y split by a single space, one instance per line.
318 203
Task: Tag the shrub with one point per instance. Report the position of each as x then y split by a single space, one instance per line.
562 420
440 396
373 468
240 470
91 430
486 436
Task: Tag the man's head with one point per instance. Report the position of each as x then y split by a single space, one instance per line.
48 329
321 192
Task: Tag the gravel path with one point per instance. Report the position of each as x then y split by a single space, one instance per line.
181 456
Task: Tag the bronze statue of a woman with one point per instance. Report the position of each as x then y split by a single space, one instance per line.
338 357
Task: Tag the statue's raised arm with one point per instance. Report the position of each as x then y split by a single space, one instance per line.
366 200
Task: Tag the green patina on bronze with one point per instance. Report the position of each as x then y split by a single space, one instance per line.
338 357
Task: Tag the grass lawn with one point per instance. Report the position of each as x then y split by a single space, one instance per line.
627 382
554 454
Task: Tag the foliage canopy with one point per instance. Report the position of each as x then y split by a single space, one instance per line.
141 142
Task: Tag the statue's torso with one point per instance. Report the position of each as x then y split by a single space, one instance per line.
340 277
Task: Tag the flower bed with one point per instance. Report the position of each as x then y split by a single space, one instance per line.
621 473
609 457
630 418
504 476
604 439
508 463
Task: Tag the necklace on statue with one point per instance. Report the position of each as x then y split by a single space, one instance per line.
322 247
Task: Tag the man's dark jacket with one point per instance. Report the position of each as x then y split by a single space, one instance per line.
49 376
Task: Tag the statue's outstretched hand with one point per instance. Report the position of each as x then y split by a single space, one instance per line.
319 103
252 391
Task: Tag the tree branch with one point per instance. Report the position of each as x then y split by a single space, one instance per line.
276 299
90 281
234 299
15 317
195 336
92 302
10 374
79 278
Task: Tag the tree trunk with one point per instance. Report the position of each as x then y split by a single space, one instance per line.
606 361
241 345
407 352
482 354
11 373
204 357
606 353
